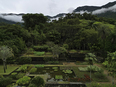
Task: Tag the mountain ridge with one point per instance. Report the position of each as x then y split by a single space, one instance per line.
89 9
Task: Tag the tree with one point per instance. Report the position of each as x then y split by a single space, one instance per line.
90 57
111 58
5 52
31 20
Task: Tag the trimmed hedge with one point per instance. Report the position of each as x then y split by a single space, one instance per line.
41 48
24 60
38 81
33 70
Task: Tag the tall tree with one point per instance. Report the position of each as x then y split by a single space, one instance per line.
90 58
31 20
5 52
111 58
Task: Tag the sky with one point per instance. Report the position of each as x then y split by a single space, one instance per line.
46 7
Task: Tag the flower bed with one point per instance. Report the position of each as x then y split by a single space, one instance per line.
86 79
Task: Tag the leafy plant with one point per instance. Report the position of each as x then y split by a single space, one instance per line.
67 71
20 75
58 77
22 68
23 81
33 70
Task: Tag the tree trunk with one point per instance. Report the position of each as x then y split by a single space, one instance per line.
112 80
6 64
4 67
90 73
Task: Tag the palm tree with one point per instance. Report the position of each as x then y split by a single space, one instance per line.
5 52
90 57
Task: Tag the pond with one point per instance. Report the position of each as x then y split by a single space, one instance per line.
55 73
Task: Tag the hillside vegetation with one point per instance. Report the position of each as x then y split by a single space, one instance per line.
79 32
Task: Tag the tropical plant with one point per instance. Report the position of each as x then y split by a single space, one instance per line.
5 52
89 57
23 81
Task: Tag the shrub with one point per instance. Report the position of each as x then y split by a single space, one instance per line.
32 85
40 48
39 53
66 46
1 76
33 70
24 60
5 81
23 81
20 75
38 81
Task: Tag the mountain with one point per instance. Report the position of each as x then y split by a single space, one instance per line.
108 10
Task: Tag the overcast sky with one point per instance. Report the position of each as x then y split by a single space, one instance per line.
47 7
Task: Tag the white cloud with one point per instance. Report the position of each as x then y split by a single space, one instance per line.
14 18
103 10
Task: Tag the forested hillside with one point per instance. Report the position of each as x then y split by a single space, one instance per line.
79 32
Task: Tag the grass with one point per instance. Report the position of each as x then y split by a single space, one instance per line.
81 63
10 68
39 53
97 84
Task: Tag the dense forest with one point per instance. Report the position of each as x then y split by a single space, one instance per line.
77 31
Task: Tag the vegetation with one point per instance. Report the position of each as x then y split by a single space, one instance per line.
74 33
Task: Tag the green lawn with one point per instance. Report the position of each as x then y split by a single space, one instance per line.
9 69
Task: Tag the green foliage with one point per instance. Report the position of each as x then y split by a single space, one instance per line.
38 81
23 81
14 73
33 70
105 63
58 77
53 62
20 75
24 60
40 48
48 59
67 71
99 75
39 53
1 76
5 81
23 68
32 85
39 65
93 68
73 51
54 67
